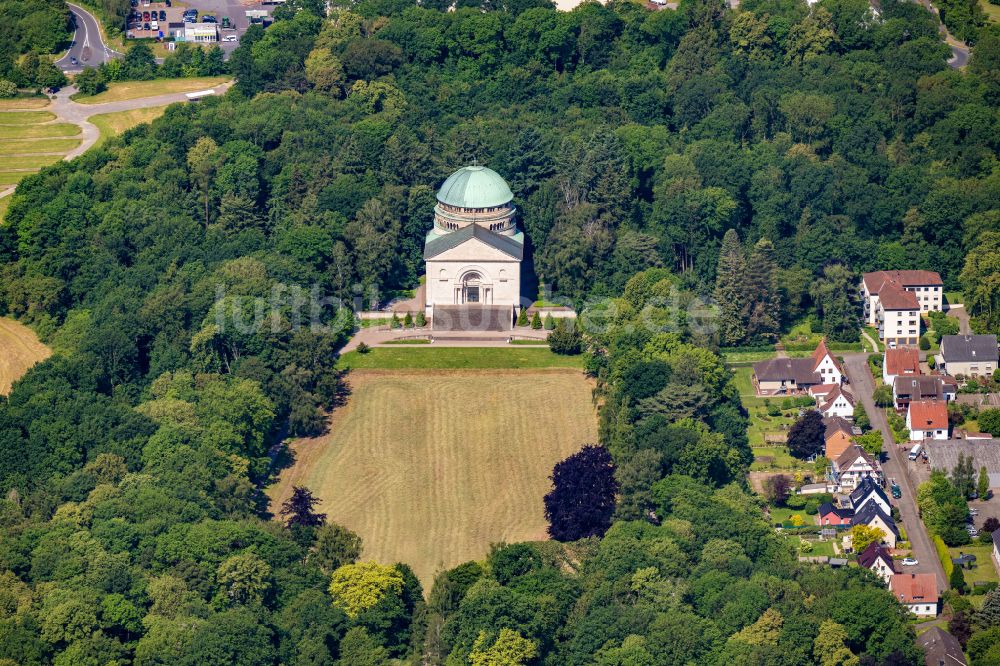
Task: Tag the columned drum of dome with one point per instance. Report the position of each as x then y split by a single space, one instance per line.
473 252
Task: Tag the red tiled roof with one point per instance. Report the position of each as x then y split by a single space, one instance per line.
914 588
876 279
894 297
822 352
902 361
821 389
928 415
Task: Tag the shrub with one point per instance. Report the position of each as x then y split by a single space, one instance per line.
363 348
408 321
549 323
796 502
787 403
522 317
7 88
420 320
565 339
924 343
773 410
536 321
394 322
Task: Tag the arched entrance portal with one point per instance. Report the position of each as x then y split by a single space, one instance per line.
472 288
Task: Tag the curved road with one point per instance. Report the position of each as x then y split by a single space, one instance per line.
88 48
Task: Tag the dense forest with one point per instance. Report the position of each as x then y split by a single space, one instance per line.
652 153
30 31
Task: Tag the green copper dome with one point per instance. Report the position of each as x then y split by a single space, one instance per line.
475 187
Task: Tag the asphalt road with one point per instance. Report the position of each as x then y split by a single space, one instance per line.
862 386
959 56
88 48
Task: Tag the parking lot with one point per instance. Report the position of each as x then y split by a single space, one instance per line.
157 19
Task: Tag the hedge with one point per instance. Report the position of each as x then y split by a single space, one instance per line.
943 555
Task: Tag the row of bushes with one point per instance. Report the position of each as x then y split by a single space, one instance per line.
808 503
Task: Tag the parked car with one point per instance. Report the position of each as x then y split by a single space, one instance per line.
145 16
73 60
154 26
910 562
230 38
897 492
163 15
208 19
145 26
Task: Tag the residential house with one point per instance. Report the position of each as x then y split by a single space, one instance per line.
869 491
918 592
852 466
877 559
926 287
781 376
872 515
968 355
941 648
927 419
900 363
832 400
831 515
922 387
839 436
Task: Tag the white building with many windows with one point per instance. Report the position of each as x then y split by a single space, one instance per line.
894 300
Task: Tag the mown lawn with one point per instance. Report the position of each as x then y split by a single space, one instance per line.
431 468
983 570
458 358
25 117
117 92
776 458
28 146
24 103
113 124
38 131
29 162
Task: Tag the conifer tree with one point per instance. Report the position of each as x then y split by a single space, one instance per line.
730 290
536 321
522 317
762 291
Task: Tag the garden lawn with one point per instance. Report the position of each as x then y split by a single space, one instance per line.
117 92
780 514
983 570
432 467
776 459
459 357
113 124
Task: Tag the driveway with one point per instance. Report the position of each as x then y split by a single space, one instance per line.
863 385
959 312
88 48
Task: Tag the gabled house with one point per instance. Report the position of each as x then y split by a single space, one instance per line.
876 558
968 355
872 515
927 419
941 648
894 300
918 592
839 436
900 363
869 492
783 376
831 515
832 400
852 466
922 387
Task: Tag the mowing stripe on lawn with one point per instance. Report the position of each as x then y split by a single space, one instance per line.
30 162
25 117
11 177
34 146
38 131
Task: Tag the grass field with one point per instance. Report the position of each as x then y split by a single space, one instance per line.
38 131
431 467
21 350
24 103
458 358
117 92
28 146
25 117
32 137
113 124
983 570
